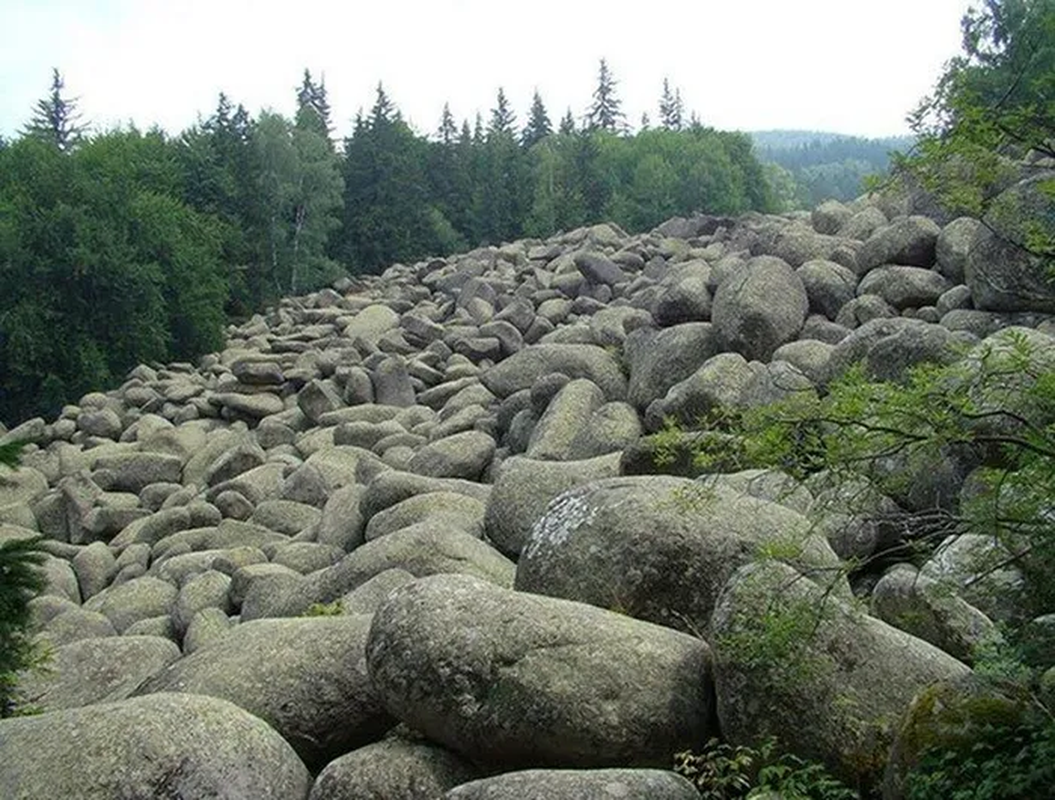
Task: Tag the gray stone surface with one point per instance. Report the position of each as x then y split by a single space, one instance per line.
164 745
519 679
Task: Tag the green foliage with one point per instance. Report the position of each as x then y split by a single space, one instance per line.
334 609
725 772
998 763
20 580
806 168
994 105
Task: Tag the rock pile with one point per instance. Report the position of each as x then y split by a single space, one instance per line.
449 450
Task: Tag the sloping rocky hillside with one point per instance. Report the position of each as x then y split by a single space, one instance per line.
453 450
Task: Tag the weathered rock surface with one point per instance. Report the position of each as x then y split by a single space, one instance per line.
163 745
518 679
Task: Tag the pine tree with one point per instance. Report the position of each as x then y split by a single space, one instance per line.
671 110
645 121
538 126
313 109
567 124
56 118
448 130
605 113
502 117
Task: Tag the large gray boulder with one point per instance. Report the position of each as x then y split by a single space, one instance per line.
425 548
522 369
395 768
567 414
910 241
523 489
829 286
905 287
919 605
660 548
304 677
720 382
567 784
796 662
138 599
1002 273
660 359
954 244
516 679
760 307
164 745
96 670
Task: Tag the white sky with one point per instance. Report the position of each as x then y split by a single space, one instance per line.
848 66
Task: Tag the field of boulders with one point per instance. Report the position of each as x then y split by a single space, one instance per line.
405 537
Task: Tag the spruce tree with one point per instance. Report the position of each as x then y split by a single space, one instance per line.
605 113
56 119
538 126
671 110
502 117
567 124
313 108
448 130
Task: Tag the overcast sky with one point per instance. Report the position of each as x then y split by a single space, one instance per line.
848 66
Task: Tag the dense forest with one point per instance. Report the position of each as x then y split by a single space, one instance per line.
133 246
807 167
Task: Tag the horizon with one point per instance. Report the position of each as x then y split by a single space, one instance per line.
153 64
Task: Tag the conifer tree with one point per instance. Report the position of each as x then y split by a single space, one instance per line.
502 117
56 119
538 126
313 108
605 113
567 124
448 130
671 109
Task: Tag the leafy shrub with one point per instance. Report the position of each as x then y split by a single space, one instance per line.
20 579
726 772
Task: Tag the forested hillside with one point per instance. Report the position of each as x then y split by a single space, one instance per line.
815 166
129 247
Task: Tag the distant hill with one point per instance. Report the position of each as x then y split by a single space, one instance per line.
813 166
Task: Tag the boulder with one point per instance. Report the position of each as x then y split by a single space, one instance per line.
760 307
910 241
304 677
96 670
568 784
524 487
794 661
522 369
165 745
517 679
395 768
919 605
140 598
829 286
660 359
904 287
1002 275
660 548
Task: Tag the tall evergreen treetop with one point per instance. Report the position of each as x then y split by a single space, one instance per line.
671 109
313 108
384 110
538 126
448 130
567 123
605 113
56 119
502 117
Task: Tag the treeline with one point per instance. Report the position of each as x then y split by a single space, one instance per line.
815 166
130 247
